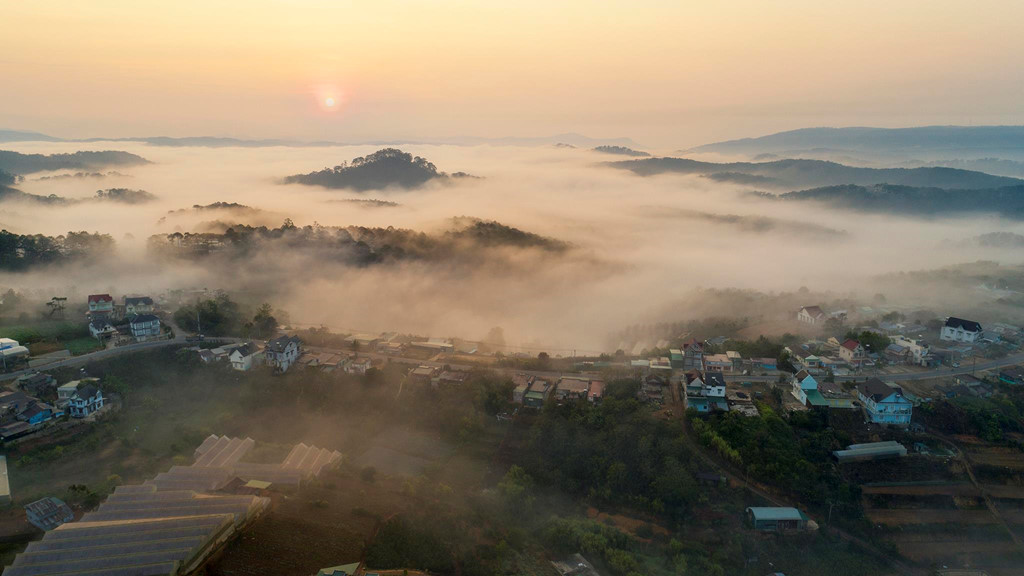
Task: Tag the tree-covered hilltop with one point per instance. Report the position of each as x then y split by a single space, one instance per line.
386 168
356 245
118 195
18 163
1006 201
800 173
125 196
621 151
215 206
24 251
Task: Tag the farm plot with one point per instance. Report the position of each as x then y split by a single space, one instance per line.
899 517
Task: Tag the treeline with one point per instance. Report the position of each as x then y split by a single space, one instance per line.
222 316
24 251
354 244
18 163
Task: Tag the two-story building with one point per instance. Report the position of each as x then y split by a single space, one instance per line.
86 400
281 352
884 403
960 330
812 315
101 304
245 357
145 327
851 351
138 305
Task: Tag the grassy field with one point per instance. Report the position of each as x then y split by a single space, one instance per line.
52 335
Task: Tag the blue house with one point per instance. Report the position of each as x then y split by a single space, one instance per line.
885 404
37 412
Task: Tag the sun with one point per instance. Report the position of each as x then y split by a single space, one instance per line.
329 102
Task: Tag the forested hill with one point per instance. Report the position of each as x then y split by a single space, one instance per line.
386 168
815 173
1006 201
18 163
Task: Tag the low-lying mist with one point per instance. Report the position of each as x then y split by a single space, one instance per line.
638 247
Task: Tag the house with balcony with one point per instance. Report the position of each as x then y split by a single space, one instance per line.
885 403
101 304
145 327
960 330
281 352
86 399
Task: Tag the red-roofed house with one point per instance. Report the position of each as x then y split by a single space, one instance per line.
851 351
101 304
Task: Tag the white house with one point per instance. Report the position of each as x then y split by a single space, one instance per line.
145 327
138 305
282 352
960 330
101 304
244 357
918 349
101 328
86 399
359 366
885 404
812 315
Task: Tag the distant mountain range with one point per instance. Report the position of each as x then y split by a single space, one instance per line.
19 164
576 140
793 174
940 140
1007 201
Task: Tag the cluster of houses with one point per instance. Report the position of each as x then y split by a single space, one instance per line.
133 318
281 354
533 391
23 410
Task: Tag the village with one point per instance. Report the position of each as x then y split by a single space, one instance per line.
872 381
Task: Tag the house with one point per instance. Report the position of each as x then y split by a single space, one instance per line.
245 357
897 354
101 328
596 392
436 345
806 361
804 385
144 327
705 392
1012 375
12 403
714 385
693 355
776 519
767 364
138 305
662 364
86 400
37 412
652 389
48 513
281 352
885 404
359 366
452 378
736 358
835 396
66 391
717 363
572 387
521 383
851 351
677 359
390 348
960 330
100 304
812 315
37 383
537 394
422 375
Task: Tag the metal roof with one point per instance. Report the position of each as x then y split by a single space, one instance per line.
776 513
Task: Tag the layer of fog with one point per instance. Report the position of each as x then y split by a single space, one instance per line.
641 245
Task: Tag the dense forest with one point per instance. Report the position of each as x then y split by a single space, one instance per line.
385 168
18 163
621 151
20 252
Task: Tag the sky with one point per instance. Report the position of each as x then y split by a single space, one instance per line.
667 74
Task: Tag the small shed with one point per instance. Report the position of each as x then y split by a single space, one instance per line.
776 519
